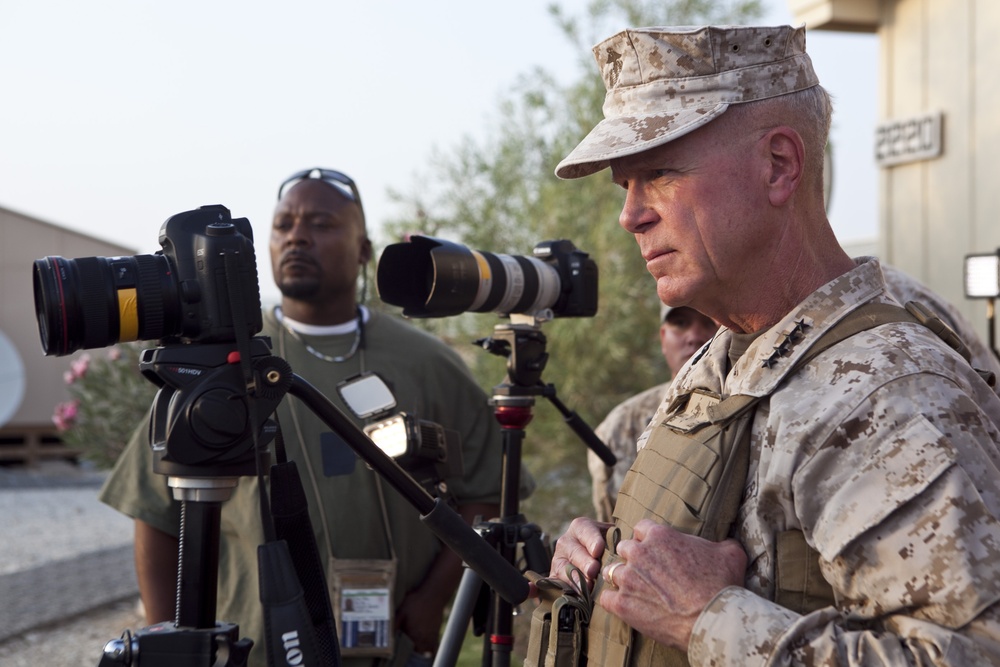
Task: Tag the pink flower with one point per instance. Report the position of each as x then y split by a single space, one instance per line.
65 414
80 366
114 353
68 377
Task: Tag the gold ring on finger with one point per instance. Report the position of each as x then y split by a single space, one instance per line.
611 572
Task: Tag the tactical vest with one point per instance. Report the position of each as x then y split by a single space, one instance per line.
700 455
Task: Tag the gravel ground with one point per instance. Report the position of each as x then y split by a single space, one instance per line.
39 525
51 525
74 642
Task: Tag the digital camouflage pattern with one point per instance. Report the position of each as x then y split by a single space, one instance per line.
626 422
907 288
665 82
883 452
620 430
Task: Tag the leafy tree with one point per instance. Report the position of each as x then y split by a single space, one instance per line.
501 195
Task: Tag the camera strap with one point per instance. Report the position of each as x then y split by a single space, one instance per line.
361 590
294 532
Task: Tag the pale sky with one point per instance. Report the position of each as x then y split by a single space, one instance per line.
117 114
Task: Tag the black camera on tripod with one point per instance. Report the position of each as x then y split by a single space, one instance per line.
178 294
194 296
431 277
210 424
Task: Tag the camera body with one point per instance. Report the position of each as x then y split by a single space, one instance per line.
432 277
180 294
577 277
197 243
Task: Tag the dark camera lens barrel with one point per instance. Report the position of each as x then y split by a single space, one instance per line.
430 277
98 301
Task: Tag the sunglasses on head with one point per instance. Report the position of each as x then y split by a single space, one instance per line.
337 179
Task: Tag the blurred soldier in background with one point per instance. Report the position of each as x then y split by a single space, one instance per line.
683 331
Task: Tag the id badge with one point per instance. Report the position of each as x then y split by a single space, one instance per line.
361 593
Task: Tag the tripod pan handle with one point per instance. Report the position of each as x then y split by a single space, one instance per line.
479 554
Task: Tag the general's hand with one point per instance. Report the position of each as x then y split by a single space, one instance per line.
582 545
420 617
667 578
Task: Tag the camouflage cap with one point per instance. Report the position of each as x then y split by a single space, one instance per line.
665 82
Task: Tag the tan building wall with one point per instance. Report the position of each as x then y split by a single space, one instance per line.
24 239
936 56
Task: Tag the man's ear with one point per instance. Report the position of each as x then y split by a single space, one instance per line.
786 154
366 251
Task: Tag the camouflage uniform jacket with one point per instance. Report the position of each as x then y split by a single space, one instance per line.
883 452
619 431
904 287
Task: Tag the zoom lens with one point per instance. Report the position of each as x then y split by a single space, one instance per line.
434 278
98 301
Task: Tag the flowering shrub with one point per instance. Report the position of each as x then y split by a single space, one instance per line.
108 399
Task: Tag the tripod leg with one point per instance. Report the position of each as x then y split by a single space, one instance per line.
198 569
458 619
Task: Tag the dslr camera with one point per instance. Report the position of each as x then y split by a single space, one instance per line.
177 295
194 297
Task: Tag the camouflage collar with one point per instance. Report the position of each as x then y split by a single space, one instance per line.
769 358
772 355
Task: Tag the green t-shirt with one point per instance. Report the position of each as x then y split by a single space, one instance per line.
428 380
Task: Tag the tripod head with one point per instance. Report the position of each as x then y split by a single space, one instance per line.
202 425
522 343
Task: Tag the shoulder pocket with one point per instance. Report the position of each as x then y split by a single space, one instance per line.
900 468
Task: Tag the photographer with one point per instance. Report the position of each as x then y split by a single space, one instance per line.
365 531
860 521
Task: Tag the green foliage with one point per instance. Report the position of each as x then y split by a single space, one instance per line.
501 195
108 399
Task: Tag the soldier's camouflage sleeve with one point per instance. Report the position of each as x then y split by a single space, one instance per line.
884 452
619 431
904 287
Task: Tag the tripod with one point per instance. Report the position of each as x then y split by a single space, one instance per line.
195 638
204 456
523 344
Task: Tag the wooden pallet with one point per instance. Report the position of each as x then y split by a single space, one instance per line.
31 445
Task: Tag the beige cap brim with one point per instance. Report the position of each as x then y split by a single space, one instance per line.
622 136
